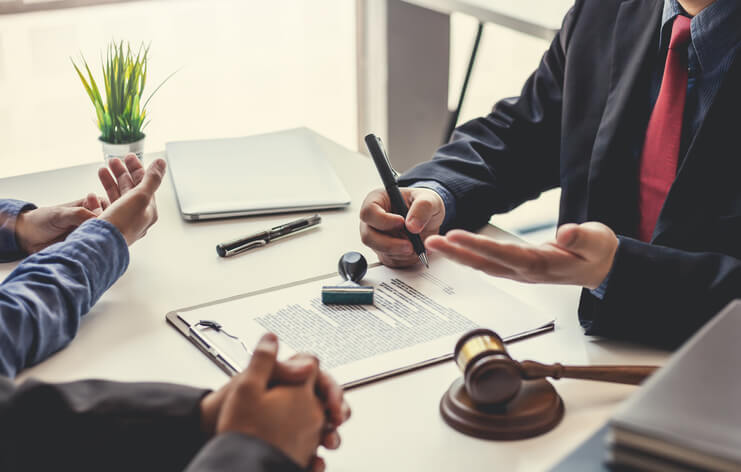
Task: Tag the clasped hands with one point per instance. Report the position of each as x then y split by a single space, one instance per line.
580 255
292 405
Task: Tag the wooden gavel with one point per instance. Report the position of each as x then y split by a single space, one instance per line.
492 377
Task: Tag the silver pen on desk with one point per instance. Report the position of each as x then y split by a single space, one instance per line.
262 238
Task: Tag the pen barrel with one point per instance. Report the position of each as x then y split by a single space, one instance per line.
380 159
398 205
230 245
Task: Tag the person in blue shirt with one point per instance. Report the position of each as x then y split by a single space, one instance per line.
75 252
271 417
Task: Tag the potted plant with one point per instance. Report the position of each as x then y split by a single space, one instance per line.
122 117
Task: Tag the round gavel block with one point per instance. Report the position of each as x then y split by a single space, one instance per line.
536 409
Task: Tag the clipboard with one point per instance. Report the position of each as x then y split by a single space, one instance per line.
229 366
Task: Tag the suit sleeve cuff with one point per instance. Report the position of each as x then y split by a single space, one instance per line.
448 201
235 451
9 210
600 291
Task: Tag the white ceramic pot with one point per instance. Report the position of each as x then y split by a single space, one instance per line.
120 151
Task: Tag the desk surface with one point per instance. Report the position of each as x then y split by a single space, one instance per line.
395 424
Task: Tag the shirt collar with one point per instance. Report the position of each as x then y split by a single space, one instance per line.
716 31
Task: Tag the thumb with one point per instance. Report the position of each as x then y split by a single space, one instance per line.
71 217
425 205
311 378
153 176
586 240
295 370
262 362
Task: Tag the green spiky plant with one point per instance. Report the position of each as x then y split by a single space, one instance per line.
121 119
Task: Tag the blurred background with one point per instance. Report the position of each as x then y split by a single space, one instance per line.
243 67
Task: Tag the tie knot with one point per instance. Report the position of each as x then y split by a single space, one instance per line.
680 32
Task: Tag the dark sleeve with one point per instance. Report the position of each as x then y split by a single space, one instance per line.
9 211
659 295
497 162
98 425
234 451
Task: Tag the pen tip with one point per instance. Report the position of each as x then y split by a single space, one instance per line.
423 258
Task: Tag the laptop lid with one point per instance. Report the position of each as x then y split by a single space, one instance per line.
278 172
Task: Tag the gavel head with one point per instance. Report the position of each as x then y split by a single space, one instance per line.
491 376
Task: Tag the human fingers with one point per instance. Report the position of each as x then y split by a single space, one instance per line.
294 370
121 173
317 464
427 207
71 217
104 203
311 380
400 261
153 176
586 240
466 256
333 398
80 202
385 243
135 168
515 256
109 184
331 439
91 202
375 212
260 368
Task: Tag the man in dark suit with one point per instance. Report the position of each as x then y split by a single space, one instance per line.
271 417
633 112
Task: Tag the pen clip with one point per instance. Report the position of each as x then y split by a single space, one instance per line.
386 157
246 247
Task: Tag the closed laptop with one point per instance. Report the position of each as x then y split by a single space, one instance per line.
278 172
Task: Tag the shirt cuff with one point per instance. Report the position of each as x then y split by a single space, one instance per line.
9 210
102 246
600 291
448 201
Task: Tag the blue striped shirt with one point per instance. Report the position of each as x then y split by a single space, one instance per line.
43 299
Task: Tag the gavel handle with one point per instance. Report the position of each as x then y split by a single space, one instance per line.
625 374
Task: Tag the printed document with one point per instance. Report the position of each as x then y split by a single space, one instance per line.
417 317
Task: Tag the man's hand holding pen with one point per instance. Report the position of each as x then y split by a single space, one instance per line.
381 230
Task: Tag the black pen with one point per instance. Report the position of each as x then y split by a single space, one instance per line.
262 238
398 205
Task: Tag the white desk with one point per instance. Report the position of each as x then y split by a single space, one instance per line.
395 424
403 58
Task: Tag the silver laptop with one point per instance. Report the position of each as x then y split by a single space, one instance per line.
277 172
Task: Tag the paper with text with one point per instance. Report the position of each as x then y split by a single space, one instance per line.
418 315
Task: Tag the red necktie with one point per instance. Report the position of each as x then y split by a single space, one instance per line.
661 147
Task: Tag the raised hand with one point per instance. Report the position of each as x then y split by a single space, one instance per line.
381 230
581 255
131 191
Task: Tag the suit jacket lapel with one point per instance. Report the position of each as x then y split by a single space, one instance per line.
613 185
706 171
